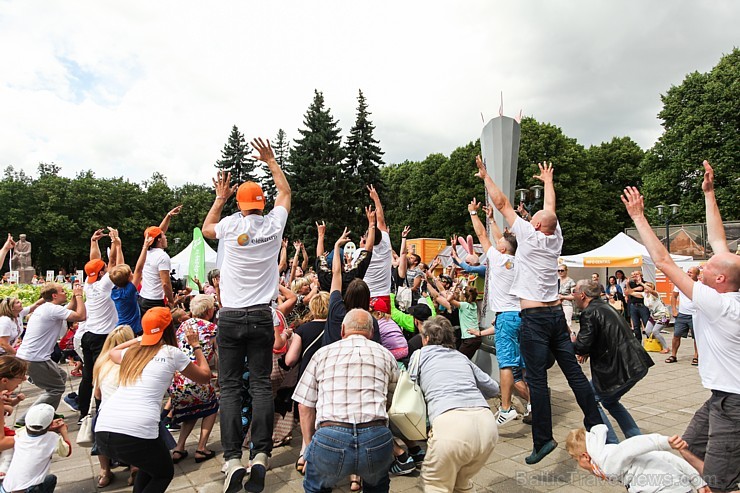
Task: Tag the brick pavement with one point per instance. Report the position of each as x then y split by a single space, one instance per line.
663 402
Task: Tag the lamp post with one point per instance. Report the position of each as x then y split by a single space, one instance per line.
668 216
534 192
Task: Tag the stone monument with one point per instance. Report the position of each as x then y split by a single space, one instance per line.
22 260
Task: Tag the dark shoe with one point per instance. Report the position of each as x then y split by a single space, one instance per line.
300 466
72 402
204 455
538 455
256 481
671 359
172 426
399 468
178 455
694 361
419 458
527 419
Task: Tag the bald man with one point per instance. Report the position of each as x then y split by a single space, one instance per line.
717 333
544 331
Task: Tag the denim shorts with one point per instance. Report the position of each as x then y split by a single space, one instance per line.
508 326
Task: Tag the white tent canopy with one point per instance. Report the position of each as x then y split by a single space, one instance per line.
181 261
619 252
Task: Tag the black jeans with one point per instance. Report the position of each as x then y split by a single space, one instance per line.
544 331
639 313
92 344
149 455
145 304
245 332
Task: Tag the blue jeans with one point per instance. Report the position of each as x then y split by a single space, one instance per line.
639 314
334 453
245 333
624 419
544 330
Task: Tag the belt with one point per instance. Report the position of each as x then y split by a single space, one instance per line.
541 309
248 309
369 424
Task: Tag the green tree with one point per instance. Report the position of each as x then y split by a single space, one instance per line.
363 161
281 147
237 160
315 173
701 118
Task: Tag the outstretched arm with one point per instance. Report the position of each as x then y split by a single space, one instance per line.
480 229
337 261
224 190
545 176
378 207
715 229
372 217
116 252
7 246
278 176
283 262
635 204
402 259
304 264
139 269
165 224
498 198
94 247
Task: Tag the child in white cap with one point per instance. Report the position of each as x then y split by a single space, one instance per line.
35 444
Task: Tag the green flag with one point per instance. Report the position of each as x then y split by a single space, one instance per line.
197 259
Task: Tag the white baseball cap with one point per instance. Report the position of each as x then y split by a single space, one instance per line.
39 417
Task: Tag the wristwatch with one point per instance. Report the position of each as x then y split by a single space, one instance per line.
473 213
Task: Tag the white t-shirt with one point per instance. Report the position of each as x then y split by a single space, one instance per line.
717 333
133 410
685 304
43 331
501 277
32 459
251 245
102 316
12 328
536 276
151 284
378 275
108 381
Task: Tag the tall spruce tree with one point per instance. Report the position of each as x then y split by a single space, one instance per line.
319 186
236 159
281 147
363 161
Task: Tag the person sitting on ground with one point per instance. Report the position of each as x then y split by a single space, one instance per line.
659 316
35 446
12 374
642 463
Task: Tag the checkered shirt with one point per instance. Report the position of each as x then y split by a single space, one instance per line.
349 381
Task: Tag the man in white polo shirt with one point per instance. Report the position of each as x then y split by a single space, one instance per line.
43 332
378 274
712 434
544 330
156 287
251 244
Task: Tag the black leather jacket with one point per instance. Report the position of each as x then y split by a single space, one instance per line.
617 357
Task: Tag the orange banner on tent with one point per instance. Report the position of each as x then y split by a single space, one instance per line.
612 261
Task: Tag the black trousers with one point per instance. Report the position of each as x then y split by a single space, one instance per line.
149 455
92 344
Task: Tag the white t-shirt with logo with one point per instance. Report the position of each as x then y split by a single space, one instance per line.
32 459
501 276
378 275
717 333
536 276
151 283
102 316
685 304
251 245
43 331
133 410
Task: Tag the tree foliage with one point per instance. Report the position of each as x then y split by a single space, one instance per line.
237 160
281 147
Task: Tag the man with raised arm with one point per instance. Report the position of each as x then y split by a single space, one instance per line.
156 287
712 434
249 283
379 272
543 329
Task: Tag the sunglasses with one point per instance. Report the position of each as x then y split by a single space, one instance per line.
561 270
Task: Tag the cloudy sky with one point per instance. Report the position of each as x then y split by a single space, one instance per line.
128 88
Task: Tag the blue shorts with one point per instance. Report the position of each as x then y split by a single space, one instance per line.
683 326
508 326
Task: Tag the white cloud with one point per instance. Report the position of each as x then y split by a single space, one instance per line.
136 87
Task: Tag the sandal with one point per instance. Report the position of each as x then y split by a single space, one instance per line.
300 467
105 479
356 489
671 359
181 454
694 361
132 476
204 455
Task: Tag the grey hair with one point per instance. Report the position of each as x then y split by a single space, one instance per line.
358 320
200 304
439 332
590 288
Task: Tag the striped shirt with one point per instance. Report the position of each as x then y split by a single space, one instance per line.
349 381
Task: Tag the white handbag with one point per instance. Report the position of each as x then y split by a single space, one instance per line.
86 435
408 410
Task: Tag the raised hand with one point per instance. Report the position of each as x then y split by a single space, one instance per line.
370 213
546 172
97 235
285 242
264 149
9 243
634 202
474 205
321 228
344 239
77 290
174 211
148 241
222 184
406 231
708 184
373 193
192 337
482 173
677 443
113 234
489 211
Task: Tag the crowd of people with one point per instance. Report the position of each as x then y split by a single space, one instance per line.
268 344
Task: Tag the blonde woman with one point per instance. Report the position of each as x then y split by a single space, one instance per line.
105 381
12 314
128 425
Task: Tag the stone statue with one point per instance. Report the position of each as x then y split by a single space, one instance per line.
22 260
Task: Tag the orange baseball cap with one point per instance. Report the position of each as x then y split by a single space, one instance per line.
154 322
250 196
93 269
152 231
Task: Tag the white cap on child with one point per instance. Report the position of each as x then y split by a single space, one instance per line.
39 417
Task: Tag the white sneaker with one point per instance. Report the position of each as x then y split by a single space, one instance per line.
235 473
503 417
